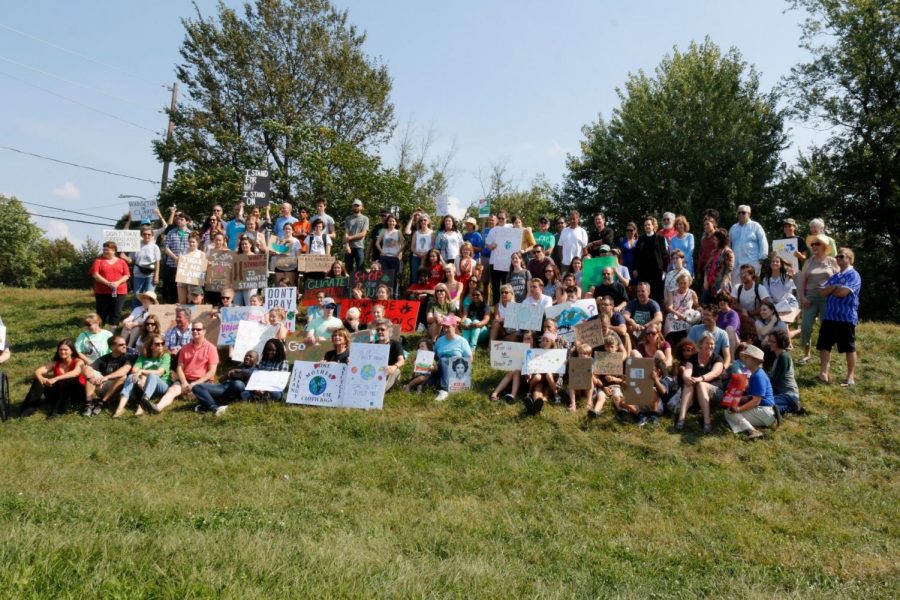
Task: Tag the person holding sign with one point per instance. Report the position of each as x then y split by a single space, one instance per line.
340 339
193 252
513 378
174 245
449 346
110 274
421 378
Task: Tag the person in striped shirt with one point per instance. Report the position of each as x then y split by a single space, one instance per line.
841 293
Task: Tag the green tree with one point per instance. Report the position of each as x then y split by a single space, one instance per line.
21 264
852 86
65 266
700 134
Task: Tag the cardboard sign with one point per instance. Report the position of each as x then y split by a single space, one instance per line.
580 376
368 282
458 373
593 270
607 363
365 378
423 362
785 249
442 205
127 240
297 349
165 313
484 208
316 383
250 272
257 187
251 336
639 382
507 356
286 298
268 381
314 263
508 240
333 287
142 209
544 360
523 316
590 333
191 269
211 324
219 270
229 317
399 312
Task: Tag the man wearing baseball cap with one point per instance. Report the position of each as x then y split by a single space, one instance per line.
356 226
757 408
749 243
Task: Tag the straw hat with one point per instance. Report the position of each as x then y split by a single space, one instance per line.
754 352
819 237
151 295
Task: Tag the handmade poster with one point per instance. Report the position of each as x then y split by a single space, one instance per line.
639 382
442 205
367 282
2 336
484 208
590 333
268 381
250 271
211 323
507 356
608 363
593 270
508 240
279 246
316 383
333 287
544 360
219 270
365 378
398 312
737 385
785 249
142 209
580 377
191 269
457 373
314 263
165 313
229 317
296 348
286 298
127 240
523 316
257 186
285 279
251 336
423 362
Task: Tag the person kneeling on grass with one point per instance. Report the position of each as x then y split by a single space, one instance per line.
197 362
213 397
757 408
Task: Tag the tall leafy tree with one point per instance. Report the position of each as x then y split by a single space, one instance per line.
698 134
20 245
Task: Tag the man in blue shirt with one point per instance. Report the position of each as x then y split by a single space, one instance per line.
473 236
841 293
749 243
286 218
757 408
235 227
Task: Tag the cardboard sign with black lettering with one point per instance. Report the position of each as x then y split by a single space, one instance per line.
256 187
191 269
314 263
250 271
334 287
590 333
126 240
219 270
399 312
639 382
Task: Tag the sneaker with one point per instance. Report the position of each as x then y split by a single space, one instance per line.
98 408
510 399
442 395
654 420
707 428
88 410
220 411
805 360
642 420
199 409
528 401
679 425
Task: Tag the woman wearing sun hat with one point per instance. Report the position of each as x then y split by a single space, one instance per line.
131 326
818 268
757 408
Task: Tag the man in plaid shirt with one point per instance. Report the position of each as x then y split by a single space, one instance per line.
174 245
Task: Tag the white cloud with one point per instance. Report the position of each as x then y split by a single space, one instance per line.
68 191
59 230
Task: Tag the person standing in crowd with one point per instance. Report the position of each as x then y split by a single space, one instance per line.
498 274
321 215
573 240
717 272
668 226
473 236
707 244
651 259
174 245
235 227
556 253
749 243
489 223
421 243
110 274
356 227
197 362
841 293
284 218
539 262
193 251
683 240
145 263
376 231
790 231
600 236
390 247
448 239
815 272
544 236
627 245
302 228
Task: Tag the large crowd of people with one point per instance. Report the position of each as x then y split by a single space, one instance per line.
702 309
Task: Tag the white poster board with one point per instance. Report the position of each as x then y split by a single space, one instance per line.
251 336
230 316
458 373
2 336
508 240
442 205
523 316
365 377
422 364
142 209
316 383
127 240
286 298
508 356
544 360
268 381
785 249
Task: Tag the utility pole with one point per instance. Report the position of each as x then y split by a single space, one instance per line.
169 131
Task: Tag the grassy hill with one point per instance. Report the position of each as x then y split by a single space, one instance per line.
462 498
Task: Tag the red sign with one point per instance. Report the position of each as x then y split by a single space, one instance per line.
399 312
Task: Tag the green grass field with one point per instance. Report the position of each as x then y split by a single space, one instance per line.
463 498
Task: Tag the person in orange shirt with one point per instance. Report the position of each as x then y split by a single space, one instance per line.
302 229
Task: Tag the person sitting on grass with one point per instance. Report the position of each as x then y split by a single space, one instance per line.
149 375
700 380
421 379
60 382
92 343
784 385
608 385
106 376
449 346
664 387
396 360
542 386
197 364
757 408
215 397
274 358
475 317
512 379
594 394
340 339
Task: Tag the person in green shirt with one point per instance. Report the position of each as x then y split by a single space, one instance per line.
150 374
544 236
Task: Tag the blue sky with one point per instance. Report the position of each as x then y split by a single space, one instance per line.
499 81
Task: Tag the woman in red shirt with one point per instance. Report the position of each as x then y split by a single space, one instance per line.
110 275
60 381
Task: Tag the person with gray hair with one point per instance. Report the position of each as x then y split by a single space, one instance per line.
817 227
667 227
749 243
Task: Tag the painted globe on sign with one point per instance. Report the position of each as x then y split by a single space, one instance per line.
317 385
367 372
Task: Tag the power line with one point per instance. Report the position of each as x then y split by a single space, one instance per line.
70 220
82 56
78 102
71 164
74 212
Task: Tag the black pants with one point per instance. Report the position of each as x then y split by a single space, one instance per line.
170 288
60 395
109 307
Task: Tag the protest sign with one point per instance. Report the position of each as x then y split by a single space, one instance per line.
2 336
268 381
399 312
211 323
367 282
570 314
314 263
523 316
191 269
251 336
288 279
285 298
142 209
507 356
423 362
365 378
297 349
229 317
457 372
590 333
316 383
219 270
256 187
580 377
250 271
442 205
607 363
639 382
593 270
508 240
333 287
544 360
127 240
484 208
165 313
737 385
785 249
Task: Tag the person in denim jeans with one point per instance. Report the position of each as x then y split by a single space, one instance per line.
149 375
210 395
